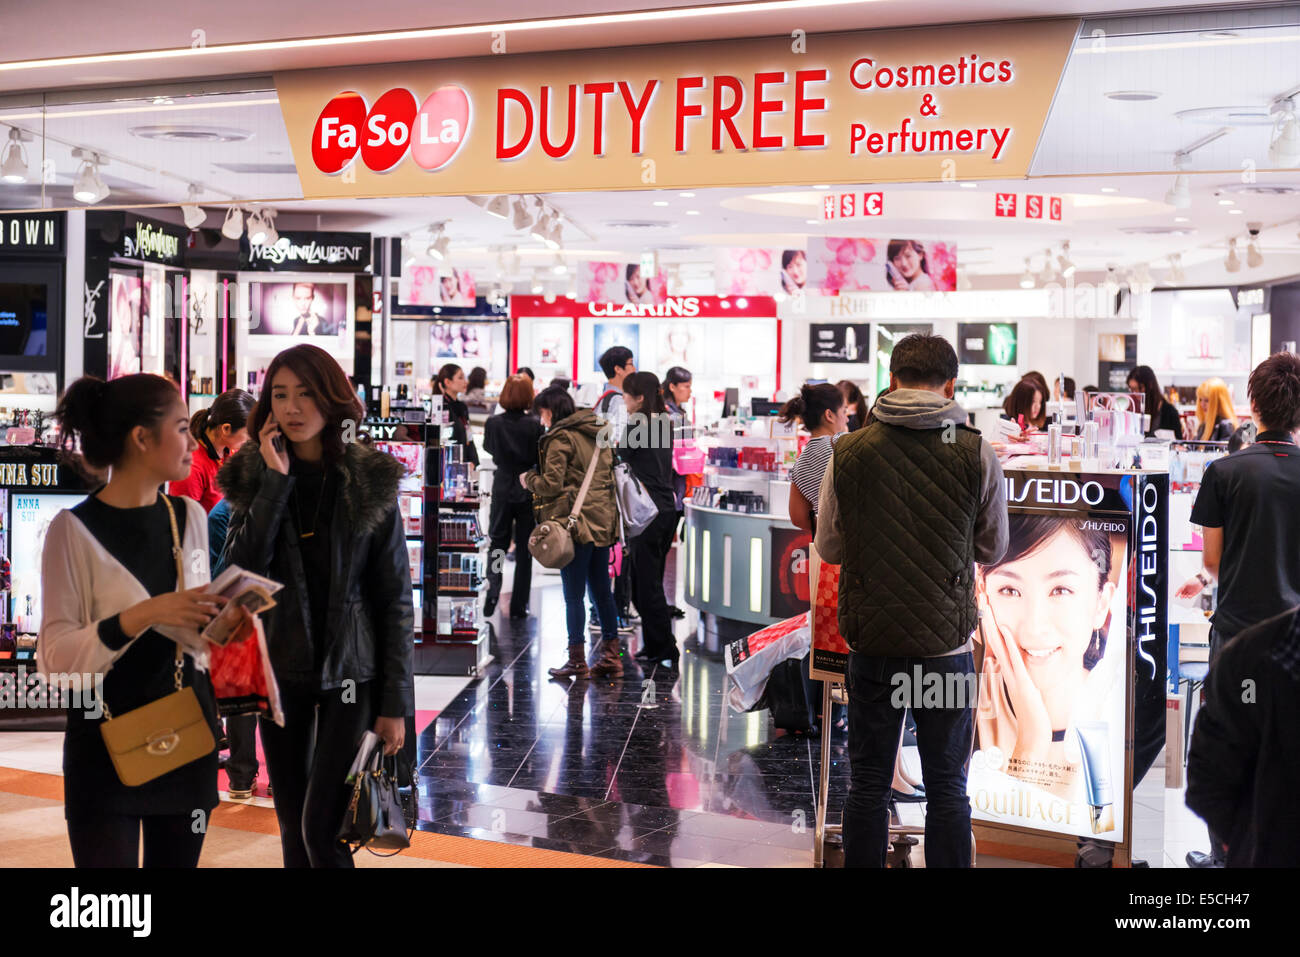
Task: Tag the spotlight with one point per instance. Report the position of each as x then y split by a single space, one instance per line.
538 285
1142 275
89 186
555 240
194 215
499 206
479 201
233 227
261 228
521 219
14 168
1254 258
1067 266
1176 273
1232 263
1027 280
1049 272
542 227
560 269
1284 150
439 244
1180 195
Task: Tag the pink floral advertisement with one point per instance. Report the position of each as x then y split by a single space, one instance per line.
620 282
849 264
740 271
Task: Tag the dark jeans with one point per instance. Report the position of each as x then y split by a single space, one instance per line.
308 761
511 522
649 555
242 765
113 840
943 737
588 572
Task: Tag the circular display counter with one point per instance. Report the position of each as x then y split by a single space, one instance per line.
729 559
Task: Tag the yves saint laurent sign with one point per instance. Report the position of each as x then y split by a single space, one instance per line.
147 240
31 233
323 252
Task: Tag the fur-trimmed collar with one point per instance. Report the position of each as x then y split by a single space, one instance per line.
368 486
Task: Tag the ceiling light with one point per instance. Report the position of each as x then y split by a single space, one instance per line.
1236 211
560 269
1027 280
1110 189
479 201
1180 195
813 222
1227 202
1181 219
14 168
1284 150
437 248
968 185
233 227
1067 267
261 229
193 213
1232 263
821 187
1254 258
542 226
555 240
1049 269
686 195
692 212
499 206
1132 96
661 202
538 285
89 186
521 220
1176 273
1142 275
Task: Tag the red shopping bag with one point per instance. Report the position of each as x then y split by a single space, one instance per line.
830 652
242 679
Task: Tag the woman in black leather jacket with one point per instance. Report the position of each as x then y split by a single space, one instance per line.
319 514
511 439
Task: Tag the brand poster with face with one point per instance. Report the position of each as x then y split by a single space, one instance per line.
124 339
743 271
1052 653
620 282
430 283
298 309
470 344
851 264
607 335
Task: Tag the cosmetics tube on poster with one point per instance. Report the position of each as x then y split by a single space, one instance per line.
1095 750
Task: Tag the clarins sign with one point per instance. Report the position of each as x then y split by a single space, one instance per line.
887 106
684 307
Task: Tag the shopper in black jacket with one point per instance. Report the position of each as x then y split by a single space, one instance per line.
511 439
1164 415
648 449
320 516
450 383
1243 769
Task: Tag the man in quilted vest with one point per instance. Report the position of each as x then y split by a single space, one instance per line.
909 504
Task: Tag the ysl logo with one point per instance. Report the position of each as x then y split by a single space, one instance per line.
91 297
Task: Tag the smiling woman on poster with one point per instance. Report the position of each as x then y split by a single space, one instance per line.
1053 645
906 266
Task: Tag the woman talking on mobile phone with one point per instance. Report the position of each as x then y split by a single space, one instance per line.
112 605
319 514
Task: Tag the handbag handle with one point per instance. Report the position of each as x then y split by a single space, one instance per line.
180 586
586 484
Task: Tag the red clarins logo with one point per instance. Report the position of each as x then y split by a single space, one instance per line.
432 132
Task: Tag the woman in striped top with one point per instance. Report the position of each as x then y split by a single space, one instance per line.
823 412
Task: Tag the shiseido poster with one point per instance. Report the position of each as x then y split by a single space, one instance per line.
1052 646
123 324
298 309
790 589
432 284
839 342
743 271
852 264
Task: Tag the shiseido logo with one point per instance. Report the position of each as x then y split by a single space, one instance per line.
312 254
1148 572
688 306
1054 492
150 243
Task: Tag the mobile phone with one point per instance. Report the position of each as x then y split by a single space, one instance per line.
277 440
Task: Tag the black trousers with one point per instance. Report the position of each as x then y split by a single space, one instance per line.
242 765
511 522
649 557
308 761
113 840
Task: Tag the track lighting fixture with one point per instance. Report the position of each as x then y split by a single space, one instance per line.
1284 150
554 240
233 227
521 218
14 167
1048 272
261 227
89 186
542 227
1176 273
560 269
439 244
1232 263
538 285
1027 280
1254 257
1063 261
499 206
1180 194
190 209
1141 275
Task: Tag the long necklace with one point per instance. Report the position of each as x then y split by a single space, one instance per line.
315 522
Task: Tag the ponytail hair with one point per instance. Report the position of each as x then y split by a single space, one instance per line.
232 408
99 416
645 386
812 403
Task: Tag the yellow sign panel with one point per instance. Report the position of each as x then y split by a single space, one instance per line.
961 102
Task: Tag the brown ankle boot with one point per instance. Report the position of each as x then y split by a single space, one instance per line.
610 662
575 667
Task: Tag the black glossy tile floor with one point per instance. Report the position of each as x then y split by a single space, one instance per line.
652 767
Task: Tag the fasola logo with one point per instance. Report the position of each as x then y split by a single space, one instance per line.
433 132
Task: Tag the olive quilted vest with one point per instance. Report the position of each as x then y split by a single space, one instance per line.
908 500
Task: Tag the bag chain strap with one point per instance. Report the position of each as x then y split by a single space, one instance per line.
180 585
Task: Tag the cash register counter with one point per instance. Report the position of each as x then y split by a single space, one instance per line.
729 563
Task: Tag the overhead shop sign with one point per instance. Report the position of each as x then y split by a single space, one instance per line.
31 233
939 103
312 252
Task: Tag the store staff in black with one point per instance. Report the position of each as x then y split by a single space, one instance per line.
321 517
1246 507
1164 414
511 439
450 383
111 606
